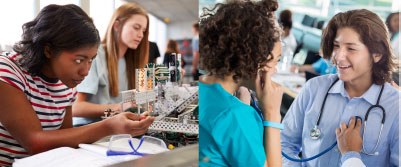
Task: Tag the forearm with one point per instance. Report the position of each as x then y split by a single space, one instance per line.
272 141
272 146
46 140
307 67
87 109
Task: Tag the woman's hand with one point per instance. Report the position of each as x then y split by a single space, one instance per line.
269 93
293 68
244 95
129 123
349 138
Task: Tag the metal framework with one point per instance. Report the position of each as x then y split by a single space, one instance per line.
157 88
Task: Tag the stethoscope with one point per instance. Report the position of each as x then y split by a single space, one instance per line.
315 133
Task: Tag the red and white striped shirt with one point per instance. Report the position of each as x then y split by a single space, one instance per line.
49 98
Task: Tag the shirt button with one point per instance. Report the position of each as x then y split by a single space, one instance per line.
349 108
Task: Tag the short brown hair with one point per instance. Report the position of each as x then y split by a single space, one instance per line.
238 38
286 18
373 34
388 20
172 46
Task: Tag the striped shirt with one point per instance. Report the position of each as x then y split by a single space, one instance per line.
49 98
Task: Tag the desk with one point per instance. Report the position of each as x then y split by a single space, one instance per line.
96 157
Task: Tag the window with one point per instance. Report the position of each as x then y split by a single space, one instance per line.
101 12
13 14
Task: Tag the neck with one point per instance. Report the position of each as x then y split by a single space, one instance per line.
122 48
357 88
286 32
227 82
47 71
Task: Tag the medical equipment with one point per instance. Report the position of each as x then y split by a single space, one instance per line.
315 133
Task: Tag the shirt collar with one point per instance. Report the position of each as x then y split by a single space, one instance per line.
338 87
370 95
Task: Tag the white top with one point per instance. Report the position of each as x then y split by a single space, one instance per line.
290 42
395 44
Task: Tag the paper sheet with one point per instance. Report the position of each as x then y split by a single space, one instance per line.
88 155
65 157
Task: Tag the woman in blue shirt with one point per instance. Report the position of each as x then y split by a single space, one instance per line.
358 43
237 54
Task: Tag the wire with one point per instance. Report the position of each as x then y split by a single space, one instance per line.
285 155
311 158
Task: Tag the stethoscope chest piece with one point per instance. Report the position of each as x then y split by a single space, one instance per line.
315 133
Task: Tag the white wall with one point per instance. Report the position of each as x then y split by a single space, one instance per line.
100 11
181 30
158 34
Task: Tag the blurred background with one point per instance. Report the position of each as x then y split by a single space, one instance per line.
303 21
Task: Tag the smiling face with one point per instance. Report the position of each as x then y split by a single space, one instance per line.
70 67
133 31
352 57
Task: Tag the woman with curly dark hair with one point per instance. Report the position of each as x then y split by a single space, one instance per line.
38 83
239 46
358 43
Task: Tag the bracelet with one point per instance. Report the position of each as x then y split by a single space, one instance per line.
273 125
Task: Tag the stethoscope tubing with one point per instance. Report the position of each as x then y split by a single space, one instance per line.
318 122
285 155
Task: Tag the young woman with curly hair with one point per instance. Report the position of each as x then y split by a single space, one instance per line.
239 46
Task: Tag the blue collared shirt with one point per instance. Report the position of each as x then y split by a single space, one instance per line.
353 156
303 114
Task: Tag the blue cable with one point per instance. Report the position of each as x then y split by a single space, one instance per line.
285 155
311 158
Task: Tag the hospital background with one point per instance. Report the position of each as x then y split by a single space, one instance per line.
309 17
